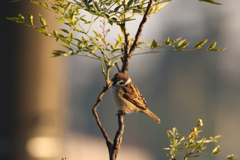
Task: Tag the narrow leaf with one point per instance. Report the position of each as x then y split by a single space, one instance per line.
70 36
30 18
117 8
128 19
210 1
55 33
169 137
232 156
26 25
200 44
212 46
216 150
61 19
45 5
167 41
154 44
64 30
130 2
42 21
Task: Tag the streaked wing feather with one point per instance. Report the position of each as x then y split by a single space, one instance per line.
133 95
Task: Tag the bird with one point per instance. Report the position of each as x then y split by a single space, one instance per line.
127 97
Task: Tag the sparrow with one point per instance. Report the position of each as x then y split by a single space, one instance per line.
127 97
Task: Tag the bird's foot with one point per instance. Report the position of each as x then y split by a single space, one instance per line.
120 112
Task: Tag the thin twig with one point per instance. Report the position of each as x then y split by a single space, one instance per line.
137 37
94 111
138 34
118 138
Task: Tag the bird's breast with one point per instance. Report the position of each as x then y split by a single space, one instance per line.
122 103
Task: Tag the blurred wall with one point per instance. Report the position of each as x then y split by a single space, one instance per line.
32 96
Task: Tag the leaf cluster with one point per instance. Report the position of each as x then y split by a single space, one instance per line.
91 43
191 145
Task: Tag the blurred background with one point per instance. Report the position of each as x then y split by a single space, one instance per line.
45 109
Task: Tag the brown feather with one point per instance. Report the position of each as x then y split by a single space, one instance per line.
133 95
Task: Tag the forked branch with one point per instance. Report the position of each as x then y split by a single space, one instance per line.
94 111
128 54
112 148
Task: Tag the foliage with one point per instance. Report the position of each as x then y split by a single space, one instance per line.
190 145
115 12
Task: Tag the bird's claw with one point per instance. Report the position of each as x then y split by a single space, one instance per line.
120 112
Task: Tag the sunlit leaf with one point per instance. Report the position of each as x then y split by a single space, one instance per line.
130 2
210 1
70 36
200 44
30 18
216 150
61 19
232 156
157 8
212 46
42 21
45 5
26 25
128 19
154 44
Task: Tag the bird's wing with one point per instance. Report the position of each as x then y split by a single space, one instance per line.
132 94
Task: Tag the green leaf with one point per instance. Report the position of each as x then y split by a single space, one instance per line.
216 150
130 2
30 18
64 30
185 144
212 46
200 44
45 5
182 42
26 25
210 1
232 156
94 50
157 8
70 36
154 44
119 38
95 6
42 31
66 6
57 53
169 137
117 8
42 21
86 4
19 19
166 148
175 40
167 41
216 137
61 19
128 19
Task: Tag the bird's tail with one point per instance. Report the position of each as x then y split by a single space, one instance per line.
152 115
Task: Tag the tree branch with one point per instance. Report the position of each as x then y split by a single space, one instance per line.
94 111
128 55
118 138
